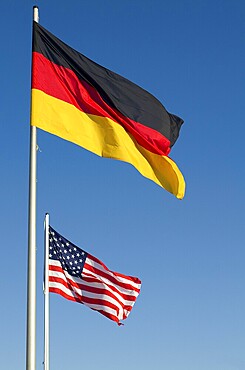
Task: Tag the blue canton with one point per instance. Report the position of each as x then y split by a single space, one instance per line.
71 257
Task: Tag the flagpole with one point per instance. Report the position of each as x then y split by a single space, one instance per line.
46 295
31 278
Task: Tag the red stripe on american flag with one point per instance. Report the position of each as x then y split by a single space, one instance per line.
107 294
63 294
132 278
104 307
93 280
70 284
111 276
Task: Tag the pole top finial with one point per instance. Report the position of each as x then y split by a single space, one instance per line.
36 13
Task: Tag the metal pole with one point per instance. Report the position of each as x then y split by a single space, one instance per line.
31 279
46 295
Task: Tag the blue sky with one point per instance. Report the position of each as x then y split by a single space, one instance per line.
189 254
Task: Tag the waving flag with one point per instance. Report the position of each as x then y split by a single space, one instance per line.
80 277
91 106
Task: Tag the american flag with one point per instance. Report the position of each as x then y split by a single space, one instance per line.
80 277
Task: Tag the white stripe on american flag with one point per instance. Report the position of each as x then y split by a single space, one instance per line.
99 285
111 302
77 294
117 276
82 293
127 288
70 280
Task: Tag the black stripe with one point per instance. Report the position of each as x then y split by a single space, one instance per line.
125 96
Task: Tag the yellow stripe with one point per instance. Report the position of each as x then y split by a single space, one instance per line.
105 138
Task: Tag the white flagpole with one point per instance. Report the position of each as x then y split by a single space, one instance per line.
31 279
46 295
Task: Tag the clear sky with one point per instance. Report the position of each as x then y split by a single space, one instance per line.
189 254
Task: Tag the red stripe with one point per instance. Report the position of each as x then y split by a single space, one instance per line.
98 272
62 83
89 280
112 279
69 284
100 302
60 292
86 300
125 296
134 279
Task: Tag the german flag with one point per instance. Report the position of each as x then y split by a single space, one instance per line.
103 112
